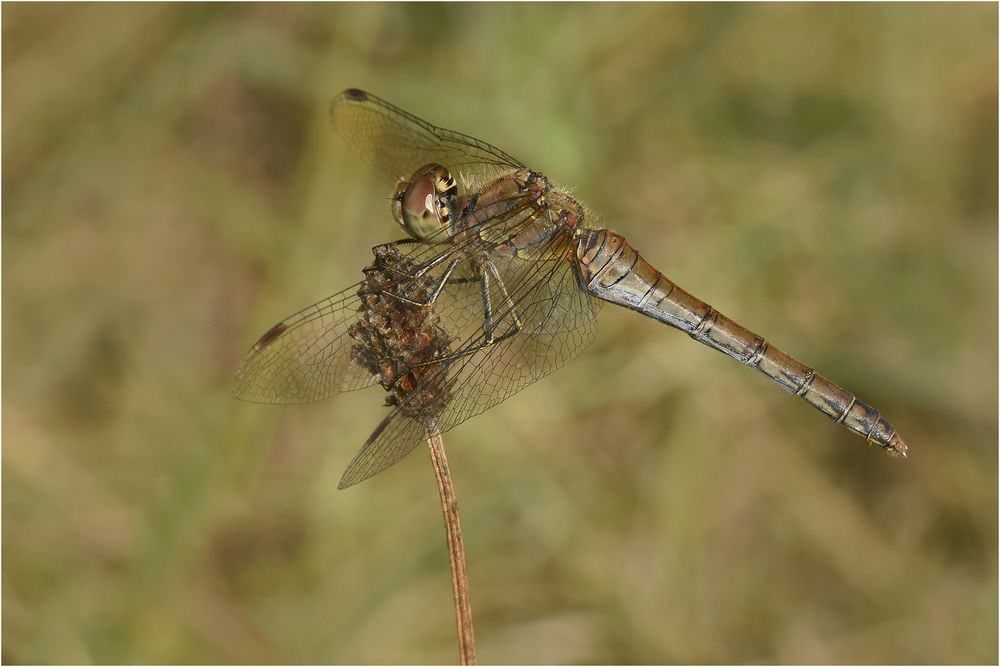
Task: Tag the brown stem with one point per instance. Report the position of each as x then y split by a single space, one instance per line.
456 550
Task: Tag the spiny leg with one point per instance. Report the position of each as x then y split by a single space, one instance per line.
487 307
510 302
513 331
437 289
488 324
422 268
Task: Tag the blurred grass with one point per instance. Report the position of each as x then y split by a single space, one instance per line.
826 175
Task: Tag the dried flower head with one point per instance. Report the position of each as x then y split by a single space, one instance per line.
398 339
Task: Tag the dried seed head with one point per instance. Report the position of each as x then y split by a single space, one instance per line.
398 340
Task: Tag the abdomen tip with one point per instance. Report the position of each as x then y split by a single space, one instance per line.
896 446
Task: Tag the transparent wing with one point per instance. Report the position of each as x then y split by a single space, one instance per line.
398 143
558 320
306 357
541 320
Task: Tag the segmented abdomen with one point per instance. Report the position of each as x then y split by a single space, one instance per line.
611 269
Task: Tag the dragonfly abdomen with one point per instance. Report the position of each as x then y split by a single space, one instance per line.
612 270
801 380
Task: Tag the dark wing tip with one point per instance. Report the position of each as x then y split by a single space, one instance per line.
355 94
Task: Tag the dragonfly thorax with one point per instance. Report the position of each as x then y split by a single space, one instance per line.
422 204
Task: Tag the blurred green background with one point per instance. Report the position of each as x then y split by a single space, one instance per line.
826 175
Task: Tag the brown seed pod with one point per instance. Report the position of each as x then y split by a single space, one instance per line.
398 333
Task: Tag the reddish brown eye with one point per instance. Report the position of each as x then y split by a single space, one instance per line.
420 204
415 201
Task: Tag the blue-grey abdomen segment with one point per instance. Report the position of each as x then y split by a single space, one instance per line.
610 269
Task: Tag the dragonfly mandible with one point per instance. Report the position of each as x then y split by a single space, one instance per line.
497 284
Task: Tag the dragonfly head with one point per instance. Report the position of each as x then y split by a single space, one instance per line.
422 204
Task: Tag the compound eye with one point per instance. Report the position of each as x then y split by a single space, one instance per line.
419 197
417 203
417 208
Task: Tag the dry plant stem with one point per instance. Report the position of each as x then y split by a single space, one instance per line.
456 550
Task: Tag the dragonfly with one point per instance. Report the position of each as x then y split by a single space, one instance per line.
497 284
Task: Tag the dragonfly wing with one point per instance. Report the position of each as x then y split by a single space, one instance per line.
394 438
546 322
398 143
306 357
541 320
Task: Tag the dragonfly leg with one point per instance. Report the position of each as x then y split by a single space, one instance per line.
422 268
489 326
444 280
437 289
392 244
518 324
484 278
516 329
458 355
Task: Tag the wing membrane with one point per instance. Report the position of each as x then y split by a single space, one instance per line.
305 357
397 143
557 320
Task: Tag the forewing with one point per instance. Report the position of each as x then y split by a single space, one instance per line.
397 143
306 357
